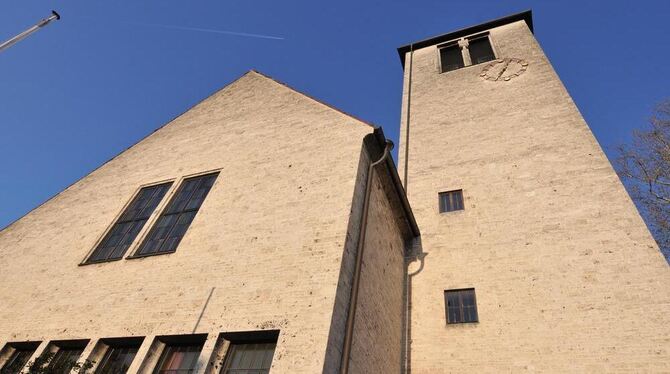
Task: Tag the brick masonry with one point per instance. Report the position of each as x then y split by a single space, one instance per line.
268 240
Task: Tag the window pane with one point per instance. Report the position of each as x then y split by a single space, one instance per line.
17 361
469 314
178 359
64 360
480 50
117 360
171 226
461 306
451 58
129 224
249 358
199 194
183 195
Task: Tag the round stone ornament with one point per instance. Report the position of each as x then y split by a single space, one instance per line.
504 69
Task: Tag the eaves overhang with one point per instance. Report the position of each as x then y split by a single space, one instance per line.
526 16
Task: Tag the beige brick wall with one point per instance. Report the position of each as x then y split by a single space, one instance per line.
376 346
268 239
568 278
378 329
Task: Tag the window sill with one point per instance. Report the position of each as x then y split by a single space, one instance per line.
99 261
133 257
462 323
468 66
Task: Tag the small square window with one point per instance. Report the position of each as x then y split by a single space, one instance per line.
451 201
480 49
19 354
451 58
461 306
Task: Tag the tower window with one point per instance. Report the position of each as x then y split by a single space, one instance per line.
461 306
173 222
452 54
451 201
451 57
123 233
480 49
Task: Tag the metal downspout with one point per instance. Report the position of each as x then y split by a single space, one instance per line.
353 299
407 113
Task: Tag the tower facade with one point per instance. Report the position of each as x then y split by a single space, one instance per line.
532 255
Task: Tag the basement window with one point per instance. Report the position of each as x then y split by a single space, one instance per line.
19 354
173 222
122 234
249 352
461 306
451 201
180 353
64 355
451 57
119 354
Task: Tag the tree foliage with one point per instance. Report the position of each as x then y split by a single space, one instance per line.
644 166
44 365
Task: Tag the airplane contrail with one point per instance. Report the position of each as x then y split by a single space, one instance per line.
226 32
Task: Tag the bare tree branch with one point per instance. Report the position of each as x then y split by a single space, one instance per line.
644 167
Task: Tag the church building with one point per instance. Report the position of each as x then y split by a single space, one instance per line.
264 231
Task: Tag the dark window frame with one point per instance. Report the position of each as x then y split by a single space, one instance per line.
136 223
447 46
479 37
176 198
178 341
66 346
113 345
248 340
457 43
456 201
19 351
460 293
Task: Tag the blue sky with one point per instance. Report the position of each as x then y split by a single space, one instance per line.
94 83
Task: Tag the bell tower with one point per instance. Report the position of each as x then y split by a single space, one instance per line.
536 259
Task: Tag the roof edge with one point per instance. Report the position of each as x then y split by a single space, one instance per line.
526 16
314 99
210 95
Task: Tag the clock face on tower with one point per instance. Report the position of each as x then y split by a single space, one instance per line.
504 69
